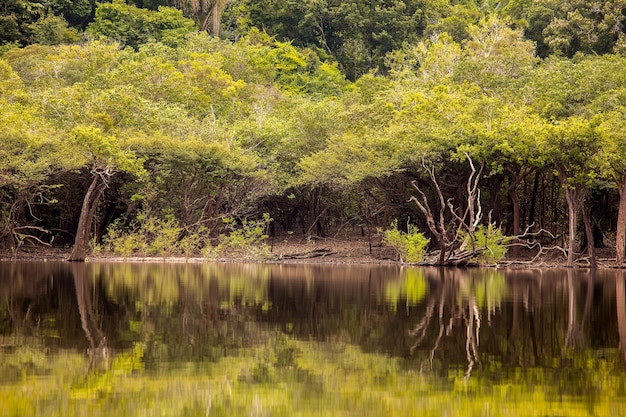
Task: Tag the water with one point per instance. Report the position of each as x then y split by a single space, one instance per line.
308 340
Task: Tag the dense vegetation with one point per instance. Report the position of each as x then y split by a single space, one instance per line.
125 126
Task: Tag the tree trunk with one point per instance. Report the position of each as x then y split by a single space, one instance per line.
516 179
620 236
533 200
591 247
87 212
572 214
216 14
575 197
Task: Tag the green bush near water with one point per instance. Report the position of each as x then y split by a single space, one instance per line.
246 240
489 243
152 236
410 245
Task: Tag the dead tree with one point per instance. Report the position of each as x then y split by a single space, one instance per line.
448 228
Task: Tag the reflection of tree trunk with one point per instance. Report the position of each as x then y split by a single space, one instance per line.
470 313
572 337
95 336
434 298
620 300
515 323
533 333
588 300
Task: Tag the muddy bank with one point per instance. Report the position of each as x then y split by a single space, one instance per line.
327 251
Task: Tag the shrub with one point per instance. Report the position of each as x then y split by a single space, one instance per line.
246 240
489 244
150 236
410 246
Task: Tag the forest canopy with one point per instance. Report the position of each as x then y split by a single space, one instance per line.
159 126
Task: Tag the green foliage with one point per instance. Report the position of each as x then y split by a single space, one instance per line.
357 34
410 245
132 26
150 236
217 128
53 30
104 150
488 241
242 240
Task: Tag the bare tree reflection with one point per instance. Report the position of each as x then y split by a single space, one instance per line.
98 348
515 327
450 312
472 340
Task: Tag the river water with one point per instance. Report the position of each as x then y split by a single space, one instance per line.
153 339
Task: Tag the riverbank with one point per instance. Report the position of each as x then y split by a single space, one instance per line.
321 250
326 250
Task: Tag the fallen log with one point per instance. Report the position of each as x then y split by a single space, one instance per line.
454 258
315 253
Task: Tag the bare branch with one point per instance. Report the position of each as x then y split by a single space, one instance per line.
22 237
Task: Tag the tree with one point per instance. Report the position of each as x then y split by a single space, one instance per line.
357 34
574 145
581 26
570 27
15 17
53 30
198 182
132 26
104 157
31 154
217 9
613 127
495 57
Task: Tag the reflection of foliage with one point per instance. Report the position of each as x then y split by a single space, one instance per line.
278 355
101 382
489 288
413 289
317 379
166 285
410 245
172 368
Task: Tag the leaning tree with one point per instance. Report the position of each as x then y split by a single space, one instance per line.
104 156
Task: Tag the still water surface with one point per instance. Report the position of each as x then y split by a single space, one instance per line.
309 340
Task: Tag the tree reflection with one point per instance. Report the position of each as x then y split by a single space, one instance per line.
457 302
466 320
620 300
574 338
98 348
